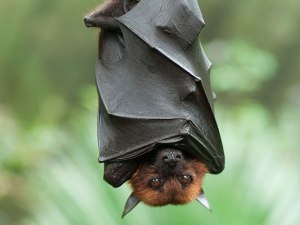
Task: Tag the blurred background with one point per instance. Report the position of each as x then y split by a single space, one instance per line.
48 104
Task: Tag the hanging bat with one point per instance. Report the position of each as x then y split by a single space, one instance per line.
156 124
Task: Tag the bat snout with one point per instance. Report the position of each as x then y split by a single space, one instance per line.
171 156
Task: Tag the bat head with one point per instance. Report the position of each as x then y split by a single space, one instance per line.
168 176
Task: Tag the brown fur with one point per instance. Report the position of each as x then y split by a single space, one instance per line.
172 192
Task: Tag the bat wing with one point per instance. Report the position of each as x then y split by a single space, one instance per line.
159 91
172 28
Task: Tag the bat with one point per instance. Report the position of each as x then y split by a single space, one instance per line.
156 124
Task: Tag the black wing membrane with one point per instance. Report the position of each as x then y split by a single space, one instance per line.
156 90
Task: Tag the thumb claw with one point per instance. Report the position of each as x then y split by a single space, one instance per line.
203 200
131 203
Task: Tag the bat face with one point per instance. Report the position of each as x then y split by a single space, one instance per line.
168 176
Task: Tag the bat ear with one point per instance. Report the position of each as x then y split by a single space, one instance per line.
132 202
203 200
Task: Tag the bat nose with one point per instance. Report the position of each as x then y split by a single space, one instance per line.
171 157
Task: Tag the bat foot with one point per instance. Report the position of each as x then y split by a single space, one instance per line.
108 23
88 21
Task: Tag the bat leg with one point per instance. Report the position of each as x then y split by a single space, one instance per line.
125 6
108 23
129 4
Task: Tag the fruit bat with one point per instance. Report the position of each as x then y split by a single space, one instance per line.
156 124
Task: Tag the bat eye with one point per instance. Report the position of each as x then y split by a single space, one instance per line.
185 180
156 183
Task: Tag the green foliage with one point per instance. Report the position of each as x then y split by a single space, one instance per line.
240 66
48 105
